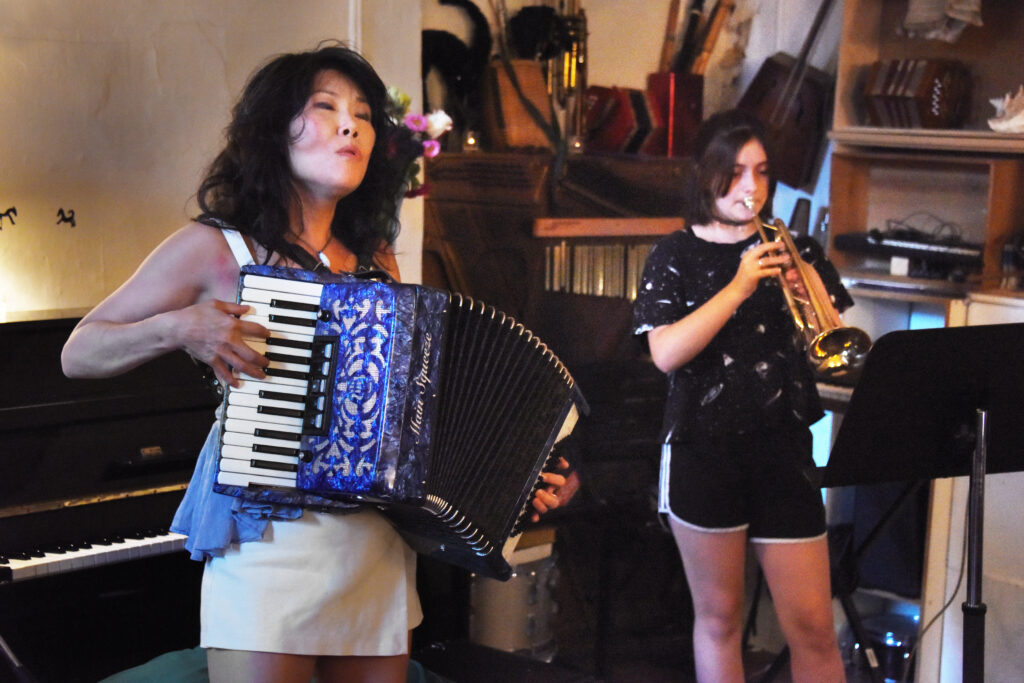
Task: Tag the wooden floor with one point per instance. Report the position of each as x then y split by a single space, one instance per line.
470 663
623 616
465 662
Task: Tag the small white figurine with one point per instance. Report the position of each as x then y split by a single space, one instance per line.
1009 116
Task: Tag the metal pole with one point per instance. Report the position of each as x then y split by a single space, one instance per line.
973 607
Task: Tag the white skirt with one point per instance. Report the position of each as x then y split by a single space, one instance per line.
323 584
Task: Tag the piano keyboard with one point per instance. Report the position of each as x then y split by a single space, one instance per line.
265 419
879 244
19 566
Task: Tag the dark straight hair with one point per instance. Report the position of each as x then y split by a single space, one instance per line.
718 141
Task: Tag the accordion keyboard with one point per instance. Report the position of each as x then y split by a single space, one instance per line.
266 418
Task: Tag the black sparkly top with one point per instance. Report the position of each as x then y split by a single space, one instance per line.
753 375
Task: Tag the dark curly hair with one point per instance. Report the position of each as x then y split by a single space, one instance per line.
249 185
719 140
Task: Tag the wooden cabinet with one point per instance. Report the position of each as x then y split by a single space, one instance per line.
480 236
491 224
968 181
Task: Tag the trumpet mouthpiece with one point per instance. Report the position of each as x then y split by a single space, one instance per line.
749 203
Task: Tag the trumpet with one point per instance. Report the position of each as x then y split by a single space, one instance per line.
835 352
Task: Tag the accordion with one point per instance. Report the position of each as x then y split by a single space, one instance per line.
441 411
917 93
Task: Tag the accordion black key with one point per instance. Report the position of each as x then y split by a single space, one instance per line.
441 411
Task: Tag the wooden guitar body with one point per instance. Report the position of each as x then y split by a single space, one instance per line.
792 99
797 126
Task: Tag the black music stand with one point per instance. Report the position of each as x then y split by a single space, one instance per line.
939 403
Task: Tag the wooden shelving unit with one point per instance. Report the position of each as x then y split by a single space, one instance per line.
971 178
983 196
994 54
606 227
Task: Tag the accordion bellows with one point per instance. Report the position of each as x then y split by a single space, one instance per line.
438 409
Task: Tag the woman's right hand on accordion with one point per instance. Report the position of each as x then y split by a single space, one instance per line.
558 489
179 298
213 333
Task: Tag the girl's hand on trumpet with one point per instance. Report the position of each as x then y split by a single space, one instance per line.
795 281
763 260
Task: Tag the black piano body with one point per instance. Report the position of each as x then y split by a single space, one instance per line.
91 471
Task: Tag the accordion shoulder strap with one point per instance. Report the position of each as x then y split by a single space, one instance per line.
238 246
305 260
365 269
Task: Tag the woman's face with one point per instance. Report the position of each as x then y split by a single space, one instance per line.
749 180
332 138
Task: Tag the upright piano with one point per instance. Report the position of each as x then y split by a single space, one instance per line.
91 472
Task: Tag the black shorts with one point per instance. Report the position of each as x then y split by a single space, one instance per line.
757 481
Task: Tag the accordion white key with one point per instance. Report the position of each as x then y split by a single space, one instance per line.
438 409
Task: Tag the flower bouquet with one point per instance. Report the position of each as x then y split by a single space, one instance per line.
416 135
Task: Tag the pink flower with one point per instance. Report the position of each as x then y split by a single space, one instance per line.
431 148
416 122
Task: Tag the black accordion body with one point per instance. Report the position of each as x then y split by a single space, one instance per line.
441 411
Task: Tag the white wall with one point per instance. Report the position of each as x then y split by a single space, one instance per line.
391 41
113 108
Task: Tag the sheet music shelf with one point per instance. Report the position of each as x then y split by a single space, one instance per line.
599 256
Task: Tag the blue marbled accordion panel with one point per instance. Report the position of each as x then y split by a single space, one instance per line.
382 391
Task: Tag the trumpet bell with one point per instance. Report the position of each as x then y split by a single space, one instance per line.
835 353
838 354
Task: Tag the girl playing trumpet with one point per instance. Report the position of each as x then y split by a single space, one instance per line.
741 398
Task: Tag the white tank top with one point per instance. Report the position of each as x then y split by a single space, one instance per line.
238 247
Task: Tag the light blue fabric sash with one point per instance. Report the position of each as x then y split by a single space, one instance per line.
213 521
